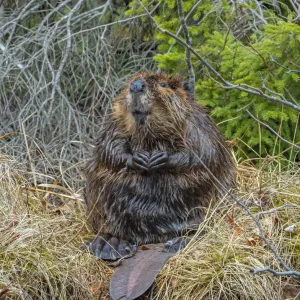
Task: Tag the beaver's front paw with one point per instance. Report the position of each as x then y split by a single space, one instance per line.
111 248
139 162
159 161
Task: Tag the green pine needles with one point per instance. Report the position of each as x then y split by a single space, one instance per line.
250 43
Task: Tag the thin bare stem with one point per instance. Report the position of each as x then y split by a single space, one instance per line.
275 209
294 274
272 130
187 50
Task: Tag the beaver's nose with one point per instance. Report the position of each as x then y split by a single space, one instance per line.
137 86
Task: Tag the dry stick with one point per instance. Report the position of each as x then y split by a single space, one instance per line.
28 152
271 211
68 47
6 28
89 12
3 48
261 13
53 193
187 51
227 85
275 273
282 66
53 11
186 17
272 130
296 9
254 92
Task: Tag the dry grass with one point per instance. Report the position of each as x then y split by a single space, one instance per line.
217 266
39 253
59 72
41 259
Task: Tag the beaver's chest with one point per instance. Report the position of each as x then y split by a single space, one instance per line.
151 145
133 193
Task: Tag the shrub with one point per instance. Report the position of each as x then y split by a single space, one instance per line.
246 44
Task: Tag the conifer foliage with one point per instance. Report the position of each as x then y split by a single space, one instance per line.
249 43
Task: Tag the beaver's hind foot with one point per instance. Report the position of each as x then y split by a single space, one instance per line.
108 247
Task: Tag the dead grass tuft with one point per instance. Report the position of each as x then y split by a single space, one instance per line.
39 253
41 259
218 264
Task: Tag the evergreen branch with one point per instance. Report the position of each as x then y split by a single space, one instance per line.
272 130
226 84
186 18
187 51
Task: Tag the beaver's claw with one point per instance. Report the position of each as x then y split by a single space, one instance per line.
158 161
111 248
139 161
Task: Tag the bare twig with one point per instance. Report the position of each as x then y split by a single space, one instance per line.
15 61
56 84
296 6
29 155
273 131
275 209
126 20
186 18
187 51
53 11
10 27
282 66
292 273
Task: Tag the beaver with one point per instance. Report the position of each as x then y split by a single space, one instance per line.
155 167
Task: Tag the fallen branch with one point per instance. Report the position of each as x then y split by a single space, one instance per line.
273 210
292 273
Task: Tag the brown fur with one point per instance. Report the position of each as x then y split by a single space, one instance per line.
156 206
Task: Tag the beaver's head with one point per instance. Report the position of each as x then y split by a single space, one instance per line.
153 103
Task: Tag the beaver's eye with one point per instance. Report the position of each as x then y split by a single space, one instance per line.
163 84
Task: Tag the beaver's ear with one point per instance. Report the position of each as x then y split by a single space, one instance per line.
187 88
175 82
